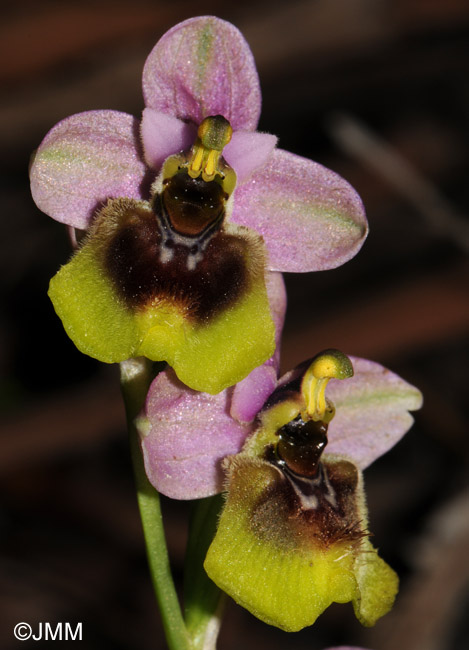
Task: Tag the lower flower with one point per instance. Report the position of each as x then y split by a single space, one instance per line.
293 537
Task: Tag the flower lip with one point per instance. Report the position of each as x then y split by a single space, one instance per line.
142 275
320 510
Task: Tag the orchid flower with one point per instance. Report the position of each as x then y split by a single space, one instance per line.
186 211
292 537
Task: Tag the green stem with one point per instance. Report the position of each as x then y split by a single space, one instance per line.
204 601
136 375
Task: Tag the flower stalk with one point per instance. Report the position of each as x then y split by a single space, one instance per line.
203 600
136 376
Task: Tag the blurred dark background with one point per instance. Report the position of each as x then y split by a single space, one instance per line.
378 90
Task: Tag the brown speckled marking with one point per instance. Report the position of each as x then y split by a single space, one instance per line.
132 259
278 515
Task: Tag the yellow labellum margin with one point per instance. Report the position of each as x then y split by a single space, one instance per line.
288 546
208 353
269 558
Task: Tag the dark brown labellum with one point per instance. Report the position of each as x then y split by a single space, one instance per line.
314 498
319 510
146 266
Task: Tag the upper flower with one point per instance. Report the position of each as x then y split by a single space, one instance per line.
173 265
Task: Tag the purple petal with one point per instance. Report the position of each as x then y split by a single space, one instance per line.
311 219
164 135
202 67
247 151
85 160
277 295
185 436
371 412
250 394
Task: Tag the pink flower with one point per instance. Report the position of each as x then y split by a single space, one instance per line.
285 213
293 535
309 217
186 435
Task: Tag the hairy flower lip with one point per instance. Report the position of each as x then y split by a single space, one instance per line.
231 340
293 534
286 556
213 285
320 509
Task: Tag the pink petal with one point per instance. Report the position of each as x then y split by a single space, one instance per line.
202 67
85 160
247 151
311 219
185 436
371 412
250 394
277 294
164 135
